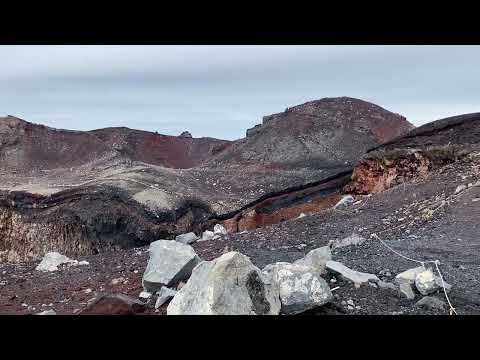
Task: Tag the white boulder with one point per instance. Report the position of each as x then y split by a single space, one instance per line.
357 277
300 288
227 285
426 283
187 238
316 259
52 260
47 312
219 230
344 202
169 263
409 275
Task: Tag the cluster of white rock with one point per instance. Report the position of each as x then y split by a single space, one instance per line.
421 279
190 238
231 284
52 260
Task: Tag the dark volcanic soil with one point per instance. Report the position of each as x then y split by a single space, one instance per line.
400 216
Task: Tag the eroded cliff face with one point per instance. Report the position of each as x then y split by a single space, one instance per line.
83 222
24 240
415 155
375 175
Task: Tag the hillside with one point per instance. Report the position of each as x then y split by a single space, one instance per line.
325 133
28 147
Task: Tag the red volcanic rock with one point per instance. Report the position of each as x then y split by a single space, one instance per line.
288 204
170 151
416 154
25 146
114 304
230 225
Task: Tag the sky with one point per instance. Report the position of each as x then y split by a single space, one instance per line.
220 91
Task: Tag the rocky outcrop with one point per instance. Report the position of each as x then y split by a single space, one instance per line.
415 155
83 221
185 134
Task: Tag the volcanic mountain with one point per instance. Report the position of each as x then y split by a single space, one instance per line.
118 187
416 201
324 133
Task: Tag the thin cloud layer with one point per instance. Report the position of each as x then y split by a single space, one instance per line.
219 91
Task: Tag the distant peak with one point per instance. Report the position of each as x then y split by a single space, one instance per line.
185 134
332 101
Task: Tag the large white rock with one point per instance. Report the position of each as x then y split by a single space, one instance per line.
316 259
52 260
207 235
187 238
344 202
169 263
426 283
300 288
219 230
47 312
357 277
409 275
227 285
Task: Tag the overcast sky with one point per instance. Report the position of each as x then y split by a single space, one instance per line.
220 91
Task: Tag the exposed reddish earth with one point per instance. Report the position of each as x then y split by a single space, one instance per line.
25 147
180 152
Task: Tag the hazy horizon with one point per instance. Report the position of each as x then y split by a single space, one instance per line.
220 91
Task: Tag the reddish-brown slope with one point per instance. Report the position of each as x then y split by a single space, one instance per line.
25 146
152 148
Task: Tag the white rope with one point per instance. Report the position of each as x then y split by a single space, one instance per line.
436 262
452 309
